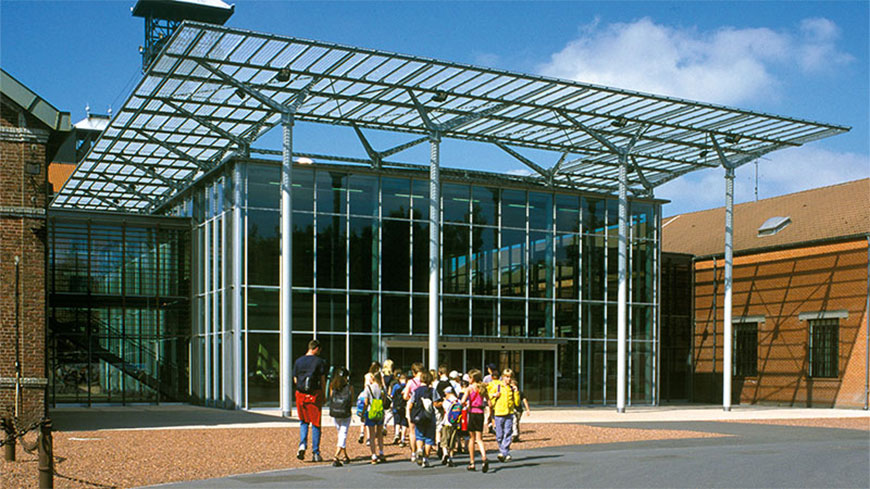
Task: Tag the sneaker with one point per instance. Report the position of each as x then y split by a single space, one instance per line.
402 444
368 443
440 452
316 458
450 462
375 460
500 457
444 459
301 454
485 468
426 463
381 458
419 457
516 438
396 440
361 438
508 458
337 463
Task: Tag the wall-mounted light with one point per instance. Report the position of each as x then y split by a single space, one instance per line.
304 160
439 97
621 122
703 153
241 93
732 138
283 75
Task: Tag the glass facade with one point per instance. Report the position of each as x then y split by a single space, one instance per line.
528 280
119 308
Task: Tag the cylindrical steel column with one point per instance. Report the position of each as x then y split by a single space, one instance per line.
727 333
621 315
434 245
238 258
286 308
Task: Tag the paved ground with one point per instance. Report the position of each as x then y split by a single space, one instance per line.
754 455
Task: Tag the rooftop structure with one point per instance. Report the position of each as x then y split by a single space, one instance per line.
826 213
213 91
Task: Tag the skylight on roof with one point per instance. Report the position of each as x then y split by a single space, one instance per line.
773 226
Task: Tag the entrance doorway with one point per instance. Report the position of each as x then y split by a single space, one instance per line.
535 367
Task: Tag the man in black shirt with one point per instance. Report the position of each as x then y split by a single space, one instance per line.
309 377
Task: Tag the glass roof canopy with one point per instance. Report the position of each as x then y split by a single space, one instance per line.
213 91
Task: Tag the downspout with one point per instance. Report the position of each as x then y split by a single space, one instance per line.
867 345
17 336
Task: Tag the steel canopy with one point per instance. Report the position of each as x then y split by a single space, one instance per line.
213 91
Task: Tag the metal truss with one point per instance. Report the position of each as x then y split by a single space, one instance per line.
212 91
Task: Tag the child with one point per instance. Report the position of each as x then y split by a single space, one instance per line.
340 399
412 385
374 403
449 428
522 408
504 399
424 417
398 408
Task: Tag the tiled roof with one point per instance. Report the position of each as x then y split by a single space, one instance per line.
822 213
58 173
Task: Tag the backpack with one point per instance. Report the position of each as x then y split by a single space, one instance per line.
306 384
386 396
454 414
397 398
340 403
360 405
423 412
376 408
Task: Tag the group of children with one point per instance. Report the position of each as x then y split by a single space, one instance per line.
440 413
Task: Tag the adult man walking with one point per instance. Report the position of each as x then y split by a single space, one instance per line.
309 376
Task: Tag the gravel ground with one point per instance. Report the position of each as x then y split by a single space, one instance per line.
128 458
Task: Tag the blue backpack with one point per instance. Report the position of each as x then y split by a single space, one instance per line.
361 405
454 415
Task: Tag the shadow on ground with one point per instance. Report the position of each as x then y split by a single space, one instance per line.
153 417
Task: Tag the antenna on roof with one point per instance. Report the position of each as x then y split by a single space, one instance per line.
162 18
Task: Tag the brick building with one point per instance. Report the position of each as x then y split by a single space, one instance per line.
799 297
31 131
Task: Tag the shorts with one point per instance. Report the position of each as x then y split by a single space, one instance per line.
449 437
475 422
399 419
369 422
426 435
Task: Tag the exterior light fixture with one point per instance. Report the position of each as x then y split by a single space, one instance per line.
703 153
241 93
283 75
732 138
439 97
621 122
304 160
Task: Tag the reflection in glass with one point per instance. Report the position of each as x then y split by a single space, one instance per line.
455 261
396 197
540 264
363 193
540 211
331 247
303 189
263 309
513 318
513 208
594 215
263 369
264 185
363 254
455 202
303 249
484 317
512 261
331 312
484 260
421 256
396 245
420 199
395 314
454 316
567 213
263 247
593 268
540 319
567 266
362 317
484 208
331 195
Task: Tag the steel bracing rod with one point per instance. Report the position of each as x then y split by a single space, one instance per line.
542 171
111 203
462 120
126 186
255 94
643 181
592 133
172 149
403 147
242 144
373 155
146 170
424 114
263 125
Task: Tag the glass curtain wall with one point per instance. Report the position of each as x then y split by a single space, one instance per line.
118 308
517 264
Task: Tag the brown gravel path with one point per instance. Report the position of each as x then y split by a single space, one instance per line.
126 458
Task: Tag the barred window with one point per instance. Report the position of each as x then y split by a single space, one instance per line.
746 350
824 347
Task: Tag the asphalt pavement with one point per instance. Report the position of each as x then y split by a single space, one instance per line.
749 455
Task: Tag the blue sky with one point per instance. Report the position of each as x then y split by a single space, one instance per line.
800 59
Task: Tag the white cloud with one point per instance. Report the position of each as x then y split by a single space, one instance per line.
782 172
727 65
521 172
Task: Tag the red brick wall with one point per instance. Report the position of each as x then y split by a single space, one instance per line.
779 286
22 237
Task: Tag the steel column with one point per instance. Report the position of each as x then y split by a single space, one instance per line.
434 245
286 307
728 339
238 364
621 297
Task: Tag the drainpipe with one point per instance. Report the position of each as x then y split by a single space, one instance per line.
17 336
867 345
